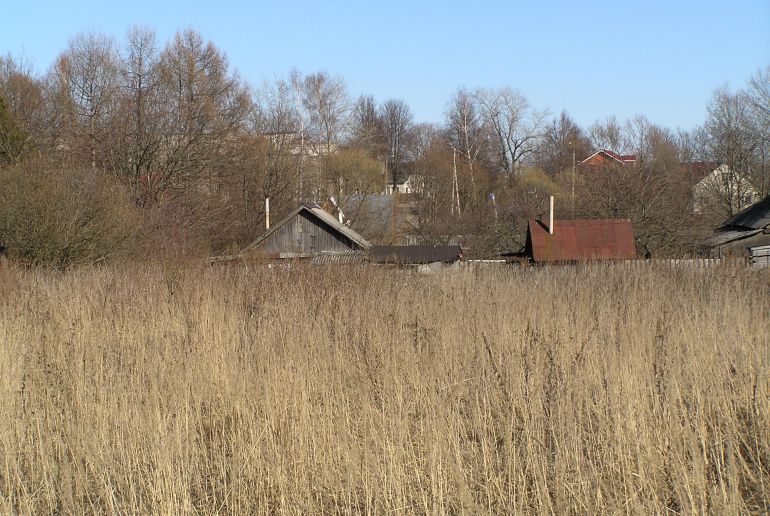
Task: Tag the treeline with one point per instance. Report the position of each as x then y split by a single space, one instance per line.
168 147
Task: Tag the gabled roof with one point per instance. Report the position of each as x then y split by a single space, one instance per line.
723 237
620 158
697 170
577 240
315 211
756 216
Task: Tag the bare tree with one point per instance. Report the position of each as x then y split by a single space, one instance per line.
466 131
204 104
729 138
759 99
85 80
607 134
652 191
563 143
136 134
424 135
686 145
367 128
12 139
24 96
328 105
516 125
397 123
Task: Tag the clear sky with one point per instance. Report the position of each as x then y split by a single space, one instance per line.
662 59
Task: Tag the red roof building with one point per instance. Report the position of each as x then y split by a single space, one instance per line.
606 157
580 240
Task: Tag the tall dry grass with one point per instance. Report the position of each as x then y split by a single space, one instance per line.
144 389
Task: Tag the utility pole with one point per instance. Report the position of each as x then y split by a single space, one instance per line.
455 182
574 164
573 182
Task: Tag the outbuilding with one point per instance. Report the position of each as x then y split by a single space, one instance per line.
580 240
747 229
304 233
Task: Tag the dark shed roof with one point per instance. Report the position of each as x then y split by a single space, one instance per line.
413 254
756 216
744 225
577 240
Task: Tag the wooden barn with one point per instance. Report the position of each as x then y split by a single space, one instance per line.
580 240
744 231
304 233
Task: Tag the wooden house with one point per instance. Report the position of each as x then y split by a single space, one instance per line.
743 231
604 158
304 233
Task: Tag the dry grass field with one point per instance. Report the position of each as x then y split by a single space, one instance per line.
150 389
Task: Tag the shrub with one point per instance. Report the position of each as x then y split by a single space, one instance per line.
57 217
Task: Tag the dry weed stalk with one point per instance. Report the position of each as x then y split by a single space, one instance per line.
144 389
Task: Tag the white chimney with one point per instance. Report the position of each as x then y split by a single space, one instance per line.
550 219
267 212
340 215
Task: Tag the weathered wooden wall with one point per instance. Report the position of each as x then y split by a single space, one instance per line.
302 235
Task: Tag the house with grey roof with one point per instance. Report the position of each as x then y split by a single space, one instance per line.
306 232
745 230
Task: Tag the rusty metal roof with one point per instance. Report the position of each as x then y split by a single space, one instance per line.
577 240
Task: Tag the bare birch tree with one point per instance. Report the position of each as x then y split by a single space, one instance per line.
466 131
328 105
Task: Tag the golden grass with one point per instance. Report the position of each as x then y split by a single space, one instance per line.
143 389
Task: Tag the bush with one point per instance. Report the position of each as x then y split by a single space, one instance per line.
58 217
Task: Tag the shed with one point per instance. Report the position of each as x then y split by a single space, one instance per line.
304 233
747 228
415 254
579 240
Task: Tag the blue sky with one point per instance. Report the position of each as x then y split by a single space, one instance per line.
662 59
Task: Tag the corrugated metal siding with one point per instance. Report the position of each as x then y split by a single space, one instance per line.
338 257
302 235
